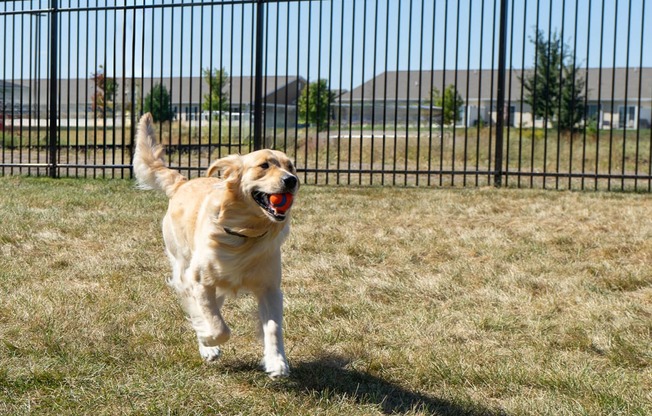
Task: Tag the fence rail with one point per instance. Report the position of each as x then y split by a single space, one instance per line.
390 92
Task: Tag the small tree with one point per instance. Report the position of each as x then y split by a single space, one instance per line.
158 103
554 88
217 98
451 103
314 104
571 110
104 97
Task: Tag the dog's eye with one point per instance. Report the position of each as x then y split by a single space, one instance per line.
290 167
264 165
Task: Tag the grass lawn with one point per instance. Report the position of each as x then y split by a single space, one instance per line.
418 301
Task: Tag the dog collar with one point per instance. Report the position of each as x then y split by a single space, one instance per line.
231 232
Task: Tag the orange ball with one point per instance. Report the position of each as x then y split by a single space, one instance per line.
281 202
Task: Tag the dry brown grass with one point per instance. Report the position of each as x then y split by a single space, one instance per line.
420 301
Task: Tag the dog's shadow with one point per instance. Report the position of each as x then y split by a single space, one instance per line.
330 378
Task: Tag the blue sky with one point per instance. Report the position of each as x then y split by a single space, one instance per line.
345 41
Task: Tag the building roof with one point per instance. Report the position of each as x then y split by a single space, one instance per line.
392 86
276 89
482 84
8 88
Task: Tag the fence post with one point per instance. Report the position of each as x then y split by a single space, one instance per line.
52 140
258 104
502 58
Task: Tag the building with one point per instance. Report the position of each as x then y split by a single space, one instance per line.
12 94
29 98
613 98
618 98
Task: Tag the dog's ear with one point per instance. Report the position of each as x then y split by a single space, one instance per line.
230 166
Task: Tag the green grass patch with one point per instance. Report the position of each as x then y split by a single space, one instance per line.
397 301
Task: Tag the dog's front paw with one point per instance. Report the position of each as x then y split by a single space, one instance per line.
209 354
276 366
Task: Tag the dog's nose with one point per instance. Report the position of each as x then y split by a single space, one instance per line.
290 181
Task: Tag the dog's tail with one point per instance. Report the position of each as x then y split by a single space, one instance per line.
149 165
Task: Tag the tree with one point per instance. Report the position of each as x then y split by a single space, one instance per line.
158 103
217 98
572 109
554 89
104 97
314 104
451 103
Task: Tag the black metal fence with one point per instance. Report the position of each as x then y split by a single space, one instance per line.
527 93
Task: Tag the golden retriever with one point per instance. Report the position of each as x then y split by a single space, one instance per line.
224 236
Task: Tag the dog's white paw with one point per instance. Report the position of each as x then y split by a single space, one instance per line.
209 354
276 367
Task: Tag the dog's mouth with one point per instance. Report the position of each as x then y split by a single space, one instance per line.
274 205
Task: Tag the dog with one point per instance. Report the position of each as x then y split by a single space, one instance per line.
224 236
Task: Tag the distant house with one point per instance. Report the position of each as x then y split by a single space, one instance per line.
391 98
395 97
279 98
388 99
11 94
280 94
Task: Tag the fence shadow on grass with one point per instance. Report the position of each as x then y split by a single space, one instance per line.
329 377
